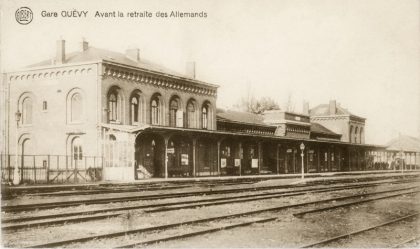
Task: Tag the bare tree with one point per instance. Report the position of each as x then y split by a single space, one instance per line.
289 105
257 106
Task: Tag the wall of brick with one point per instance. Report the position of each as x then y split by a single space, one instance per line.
338 125
127 87
51 131
341 125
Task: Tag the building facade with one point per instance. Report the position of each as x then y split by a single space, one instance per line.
96 109
341 121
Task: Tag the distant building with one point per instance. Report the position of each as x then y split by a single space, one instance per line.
407 149
341 121
96 109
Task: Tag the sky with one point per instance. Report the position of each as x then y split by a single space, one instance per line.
364 54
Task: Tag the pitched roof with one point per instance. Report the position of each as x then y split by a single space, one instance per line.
403 142
240 117
320 129
324 110
93 54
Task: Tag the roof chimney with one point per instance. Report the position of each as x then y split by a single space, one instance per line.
133 54
84 45
305 109
190 69
333 107
61 52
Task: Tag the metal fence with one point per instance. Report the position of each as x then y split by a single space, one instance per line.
37 169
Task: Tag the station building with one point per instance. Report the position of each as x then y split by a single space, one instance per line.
133 119
403 152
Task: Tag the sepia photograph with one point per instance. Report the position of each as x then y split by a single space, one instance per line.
210 124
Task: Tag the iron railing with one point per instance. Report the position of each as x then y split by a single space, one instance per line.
34 169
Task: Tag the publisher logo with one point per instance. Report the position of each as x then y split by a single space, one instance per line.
24 15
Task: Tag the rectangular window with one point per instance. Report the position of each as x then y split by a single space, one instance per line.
75 152
80 153
44 105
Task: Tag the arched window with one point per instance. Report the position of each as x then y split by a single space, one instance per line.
113 106
135 109
204 116
27 111
191 116
356 134
155 111
361 135
76 107
351 134
173 109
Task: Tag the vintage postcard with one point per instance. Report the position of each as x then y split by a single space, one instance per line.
210 124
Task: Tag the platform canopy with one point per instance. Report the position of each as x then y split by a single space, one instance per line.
404 143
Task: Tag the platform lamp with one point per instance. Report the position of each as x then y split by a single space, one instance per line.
16 179
302 148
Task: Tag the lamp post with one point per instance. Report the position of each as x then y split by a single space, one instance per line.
16 179
302 148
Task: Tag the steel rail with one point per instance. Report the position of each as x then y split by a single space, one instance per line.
347 235
31 218
90 212
134 189
258 198
316 210
34 206
162 227
108 191
59 221
192 234
89 218
406 242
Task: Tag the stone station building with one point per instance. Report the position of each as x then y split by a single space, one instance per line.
96 114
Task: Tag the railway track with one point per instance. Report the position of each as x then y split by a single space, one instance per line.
110 191
297 192
258 198
119 188
208 202
35 206
199 221
141 188
317 210
348 235
192 234
136 187
90 212
407 242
